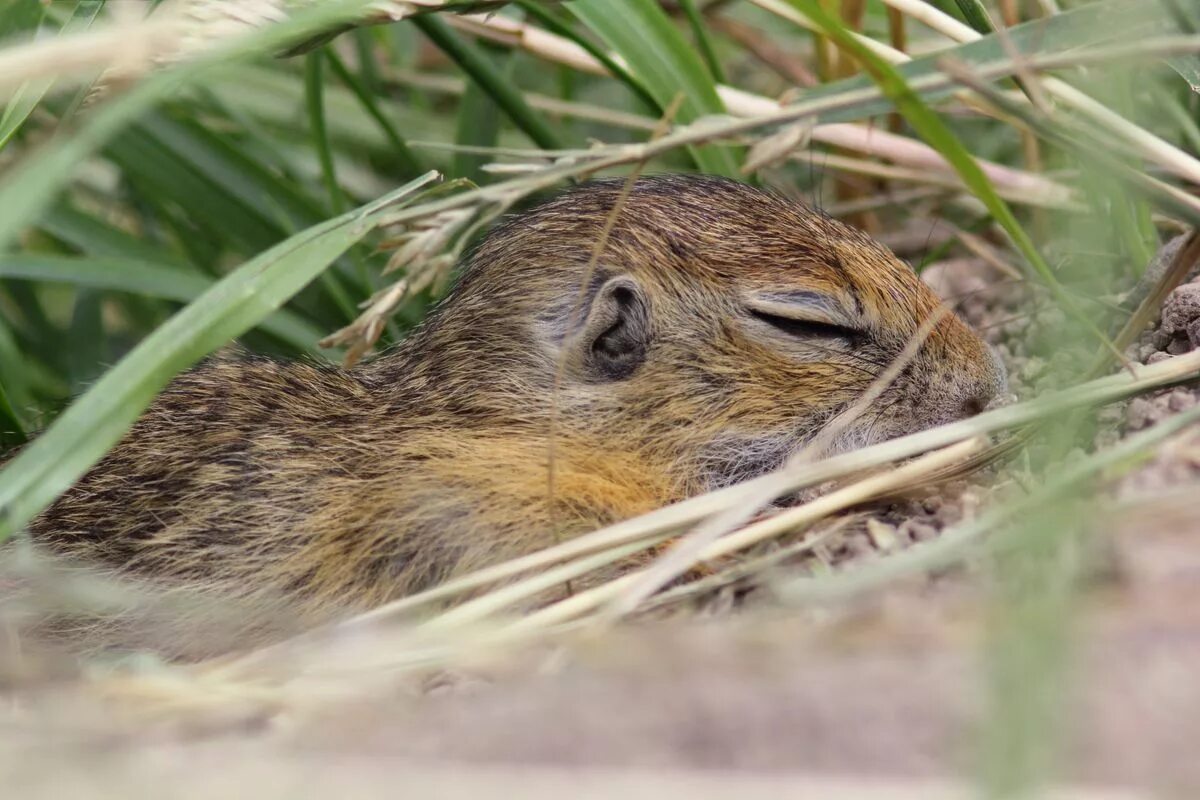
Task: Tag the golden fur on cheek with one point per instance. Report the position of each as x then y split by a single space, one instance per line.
341 489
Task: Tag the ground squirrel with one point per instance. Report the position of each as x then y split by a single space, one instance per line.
718 330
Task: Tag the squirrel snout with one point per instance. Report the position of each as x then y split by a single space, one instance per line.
992 386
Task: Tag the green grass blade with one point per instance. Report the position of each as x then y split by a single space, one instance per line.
703 40
12 430
272 97
314 85
146 279
478 126
150 160
27 97
410 165
14 385
95 237
86 355
20 15
658 55
482 70
552 23
97 420
976 15
1188 67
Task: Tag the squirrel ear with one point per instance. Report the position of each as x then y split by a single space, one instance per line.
616 334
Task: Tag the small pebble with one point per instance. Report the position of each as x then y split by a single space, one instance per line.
858 545
1054 318
1157 357
1181 307
1142 413
1178 347
883 536
1032 368
1181 400
918 531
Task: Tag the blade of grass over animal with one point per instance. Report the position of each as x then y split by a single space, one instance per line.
146 279
410 165
935 132
238 302
548 20
32 185
652 527
657 54
482 70
612 595
965 539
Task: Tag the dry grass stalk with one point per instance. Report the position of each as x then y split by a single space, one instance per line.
500 196
308 672
1145 143
130 45
618 541
685 554
860 138
125 49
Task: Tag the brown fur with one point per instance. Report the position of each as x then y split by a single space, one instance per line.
345 488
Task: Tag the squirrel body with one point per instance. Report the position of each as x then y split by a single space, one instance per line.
717 332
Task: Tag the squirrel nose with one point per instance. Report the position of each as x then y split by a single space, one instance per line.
976 403
995 385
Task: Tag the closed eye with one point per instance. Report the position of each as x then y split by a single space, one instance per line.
807 329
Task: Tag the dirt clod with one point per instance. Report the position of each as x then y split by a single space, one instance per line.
1181 308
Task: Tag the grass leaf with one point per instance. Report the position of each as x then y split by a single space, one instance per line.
147 279
483 71
661 59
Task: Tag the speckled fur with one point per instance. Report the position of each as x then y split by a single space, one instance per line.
345 488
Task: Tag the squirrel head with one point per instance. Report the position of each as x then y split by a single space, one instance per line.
719 328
